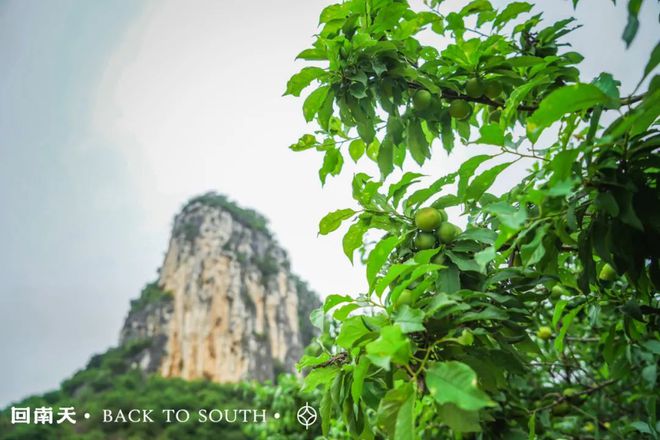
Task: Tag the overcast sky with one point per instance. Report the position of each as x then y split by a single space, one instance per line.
114 113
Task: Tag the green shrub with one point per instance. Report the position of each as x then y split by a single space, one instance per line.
151 294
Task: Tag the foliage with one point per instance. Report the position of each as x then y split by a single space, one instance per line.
285 399
451 339
249 217
151 294
111 381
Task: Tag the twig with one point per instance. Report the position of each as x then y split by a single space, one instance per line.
586 392
574 339
338 359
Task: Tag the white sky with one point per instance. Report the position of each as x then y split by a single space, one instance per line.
113 114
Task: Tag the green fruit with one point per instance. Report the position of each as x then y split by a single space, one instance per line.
422 100
558 290
544 333
424 240
561 409
459 109
404 298
607 273
438 259
447 232
493 89
570 392
474 88
428 219
589 427
495 116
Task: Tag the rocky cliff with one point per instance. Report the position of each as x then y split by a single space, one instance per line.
225 306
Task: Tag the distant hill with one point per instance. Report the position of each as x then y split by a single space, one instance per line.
224 314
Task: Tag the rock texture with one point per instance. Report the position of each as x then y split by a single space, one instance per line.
225 307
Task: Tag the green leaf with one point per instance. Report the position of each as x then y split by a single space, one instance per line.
610 87
333 162
627 214
326 410
312 361
517 96
489 313
317 318
422 195
417 143
467 169
481 235
508 215
410 320
319 376
394 271
458 419
482 258
559 309
652 346
314 101
476 6
633 21
378 256
372 150
640 118
359 373
446 133
391 346
482 182
305 142
642 427
491 134
532 252
333 12
333 300
397 190
356 149
342 312
511 11
464 263
567 99
333 220
351 330
565 325
388 17
562 165
314 54
455 382
531 426
302 79
404 428
385 157
395 413
653 62
353 238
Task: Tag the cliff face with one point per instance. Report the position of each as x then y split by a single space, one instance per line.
225 307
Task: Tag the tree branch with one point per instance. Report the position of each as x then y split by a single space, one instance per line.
586 392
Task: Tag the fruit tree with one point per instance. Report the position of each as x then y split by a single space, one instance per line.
539 317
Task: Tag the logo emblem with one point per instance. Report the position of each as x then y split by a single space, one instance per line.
306 415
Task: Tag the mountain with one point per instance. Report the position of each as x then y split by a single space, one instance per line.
225 306
224 316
